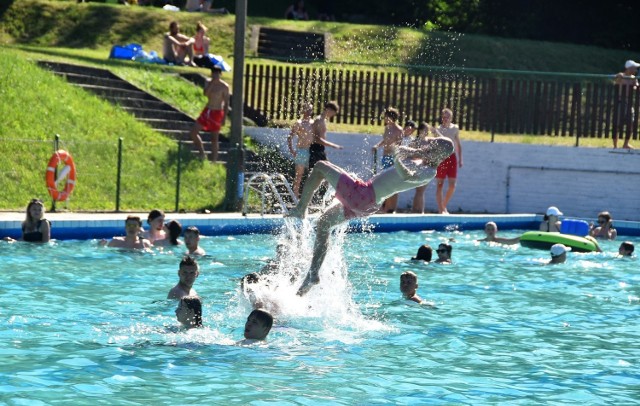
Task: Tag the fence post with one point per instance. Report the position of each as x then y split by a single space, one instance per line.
118 175
493 100
179 172
56 145
576 105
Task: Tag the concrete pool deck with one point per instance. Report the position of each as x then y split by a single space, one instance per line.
85 225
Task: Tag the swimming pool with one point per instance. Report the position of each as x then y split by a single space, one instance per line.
85 324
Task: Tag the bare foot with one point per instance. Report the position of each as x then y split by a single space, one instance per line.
296 212
628 146
309 282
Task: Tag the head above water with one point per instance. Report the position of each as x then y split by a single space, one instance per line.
258 325
34 208
174 229
189 312
626 248
425 252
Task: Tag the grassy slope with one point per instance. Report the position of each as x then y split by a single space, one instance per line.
98 26
36 105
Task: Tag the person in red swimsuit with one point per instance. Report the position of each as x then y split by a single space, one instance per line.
412 167
213 116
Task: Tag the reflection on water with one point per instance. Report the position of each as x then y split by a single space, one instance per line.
81 321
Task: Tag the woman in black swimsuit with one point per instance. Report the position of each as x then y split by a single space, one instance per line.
35 228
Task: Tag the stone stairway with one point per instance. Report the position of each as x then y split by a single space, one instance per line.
148 109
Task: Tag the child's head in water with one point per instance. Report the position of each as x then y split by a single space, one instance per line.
258 325
408 284
189 312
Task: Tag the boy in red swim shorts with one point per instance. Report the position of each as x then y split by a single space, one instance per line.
412 167
214 114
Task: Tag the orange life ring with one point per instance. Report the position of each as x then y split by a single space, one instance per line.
61 156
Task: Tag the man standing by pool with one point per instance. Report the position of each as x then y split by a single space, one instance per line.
214 114
413 167
319 127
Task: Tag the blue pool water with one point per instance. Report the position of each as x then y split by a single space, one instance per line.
83 324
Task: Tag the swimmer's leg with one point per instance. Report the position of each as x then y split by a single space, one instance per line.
322 170
330 218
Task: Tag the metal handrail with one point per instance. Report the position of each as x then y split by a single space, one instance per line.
267 180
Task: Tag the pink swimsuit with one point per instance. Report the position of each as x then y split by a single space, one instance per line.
357 197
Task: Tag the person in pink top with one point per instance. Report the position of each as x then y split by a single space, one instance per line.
357 198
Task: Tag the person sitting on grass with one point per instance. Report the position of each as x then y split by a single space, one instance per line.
177 46
356 198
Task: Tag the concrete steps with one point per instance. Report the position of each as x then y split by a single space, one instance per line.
147 108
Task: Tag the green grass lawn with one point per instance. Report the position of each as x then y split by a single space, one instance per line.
37 105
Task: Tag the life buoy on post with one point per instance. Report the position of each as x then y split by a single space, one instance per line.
68 171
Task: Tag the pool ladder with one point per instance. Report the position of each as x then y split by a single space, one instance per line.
273 190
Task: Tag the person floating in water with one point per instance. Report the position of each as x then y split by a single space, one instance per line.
413 167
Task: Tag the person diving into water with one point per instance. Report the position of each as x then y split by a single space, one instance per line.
414 166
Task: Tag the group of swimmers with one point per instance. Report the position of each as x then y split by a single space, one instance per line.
36 228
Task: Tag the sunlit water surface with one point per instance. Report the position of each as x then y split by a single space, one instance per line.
84 324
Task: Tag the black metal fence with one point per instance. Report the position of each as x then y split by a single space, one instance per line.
559 107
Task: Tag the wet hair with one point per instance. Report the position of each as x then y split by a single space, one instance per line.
410 123
192 229
492 223
392 113
628 246
194 303
154 214
175 229
410 274
249 278
133 218
264 317
606 215
188 261
425 252
447 247
201 27
32 202
332 105
423 126
173 25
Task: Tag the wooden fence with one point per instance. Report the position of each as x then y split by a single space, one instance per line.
500 105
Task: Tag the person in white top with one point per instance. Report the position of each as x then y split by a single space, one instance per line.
449 167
